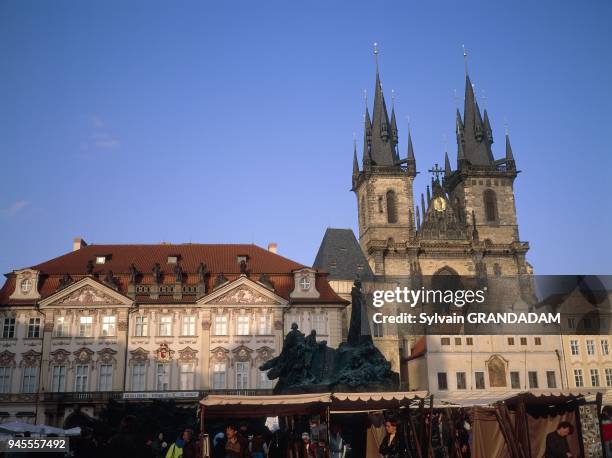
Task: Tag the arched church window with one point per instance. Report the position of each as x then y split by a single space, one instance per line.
497 371
490 204
391 207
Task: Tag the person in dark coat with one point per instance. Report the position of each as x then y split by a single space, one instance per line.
393 445
556 442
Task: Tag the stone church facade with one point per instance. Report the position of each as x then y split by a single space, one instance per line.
464 230
134 322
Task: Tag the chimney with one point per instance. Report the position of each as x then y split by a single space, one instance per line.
273 247
78 243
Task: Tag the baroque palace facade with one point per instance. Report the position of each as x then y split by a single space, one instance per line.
463 231
142 321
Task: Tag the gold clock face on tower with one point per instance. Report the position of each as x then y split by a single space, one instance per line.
439 204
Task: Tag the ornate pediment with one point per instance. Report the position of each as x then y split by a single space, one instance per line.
242 353
30 358
83 355
7 359
87 295
264 354
106 355
243 295
86 292
139 355
219 354
59 356
188 355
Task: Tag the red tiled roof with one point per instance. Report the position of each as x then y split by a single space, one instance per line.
218 259
418 349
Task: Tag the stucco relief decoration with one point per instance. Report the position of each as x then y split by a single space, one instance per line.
497 371
264 354
219 354
242 354
86 295
59 356
278 325
30 358
188 355
7 359
244 295
106 355
83 355
139 355
122 325
163 353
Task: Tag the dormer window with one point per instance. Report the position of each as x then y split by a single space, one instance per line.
26 285
305 284
242 258
172 259
100 259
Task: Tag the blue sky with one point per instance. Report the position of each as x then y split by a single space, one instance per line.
222 122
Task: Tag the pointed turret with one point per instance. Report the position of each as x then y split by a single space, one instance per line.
487 128
423 207
394 135
510 164
410 160
447 166
355 162
428 197
367 139
418 218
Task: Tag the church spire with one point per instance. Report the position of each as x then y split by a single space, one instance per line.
367 135
382 146
476 150
355 162
487 127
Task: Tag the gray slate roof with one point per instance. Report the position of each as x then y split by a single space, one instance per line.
341 256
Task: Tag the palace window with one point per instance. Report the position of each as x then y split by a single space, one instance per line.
165 326
221 325
490 204
219 378
186 376
264 325
138 377
34 328
461 383
605 349
594 377
141 328
60 328
533 379
515 380
578 380
523 340
242 325
29 379
58 379
480 380
457 340
608 377
391 207
469 341
8 330
510 340
574 347
537 340
85 326
109 327
590 344
551 379
106 377
81 378
571 323
163 376
5 379
242 376
189 325
319 323
442 382
444 341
